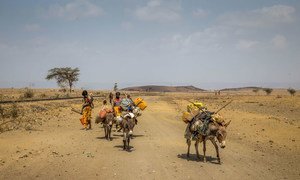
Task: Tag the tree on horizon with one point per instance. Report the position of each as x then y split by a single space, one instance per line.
64 76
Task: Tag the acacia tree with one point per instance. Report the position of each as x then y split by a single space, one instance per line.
291 91
268 90
64 76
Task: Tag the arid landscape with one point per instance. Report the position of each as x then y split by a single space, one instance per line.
44 140
102 89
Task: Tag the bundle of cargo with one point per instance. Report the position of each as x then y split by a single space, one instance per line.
103 112
218 118
194 106
193 109
102 115
139 102
188 116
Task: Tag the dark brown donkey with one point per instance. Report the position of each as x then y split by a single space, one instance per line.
216 132
128 124
107 124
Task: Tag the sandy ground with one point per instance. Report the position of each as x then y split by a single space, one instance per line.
263 143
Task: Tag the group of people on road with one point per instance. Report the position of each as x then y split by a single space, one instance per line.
118 105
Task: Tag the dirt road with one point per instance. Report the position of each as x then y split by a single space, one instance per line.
60 150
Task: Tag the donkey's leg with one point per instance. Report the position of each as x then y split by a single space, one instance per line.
109 132
196 147
124 140
128 141
105 131
204 150
217 149
188 141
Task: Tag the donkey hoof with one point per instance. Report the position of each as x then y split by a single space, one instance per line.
204 160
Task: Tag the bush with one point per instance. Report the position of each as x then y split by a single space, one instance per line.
67 95
1 111
255 90
14 111
291 91
56 96
268 91
28 93
43 95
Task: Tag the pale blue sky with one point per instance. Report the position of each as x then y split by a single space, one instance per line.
206 43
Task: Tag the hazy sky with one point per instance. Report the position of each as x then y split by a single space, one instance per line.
207 43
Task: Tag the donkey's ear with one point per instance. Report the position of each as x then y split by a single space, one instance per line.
227 124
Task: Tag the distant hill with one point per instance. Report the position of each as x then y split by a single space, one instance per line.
153 88
241 88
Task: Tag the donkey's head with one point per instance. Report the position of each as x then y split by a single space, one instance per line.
221 134
130 123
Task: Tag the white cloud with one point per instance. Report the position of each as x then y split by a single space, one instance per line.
214 38
264 17
159 11
279 13
246 44
279 41
32 27
126 25
75 10
200 13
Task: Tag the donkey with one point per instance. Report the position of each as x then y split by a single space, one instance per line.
215 132
107 124
127 124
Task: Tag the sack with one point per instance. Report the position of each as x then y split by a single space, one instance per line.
194 106
137 111
139 102
188 116
103 112
218 118
125 104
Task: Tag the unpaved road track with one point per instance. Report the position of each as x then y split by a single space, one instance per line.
61 150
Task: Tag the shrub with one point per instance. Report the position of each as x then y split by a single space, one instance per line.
56 96
14 111
291 91
268 90
67 95
1 111
28 93
43 95
255 90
